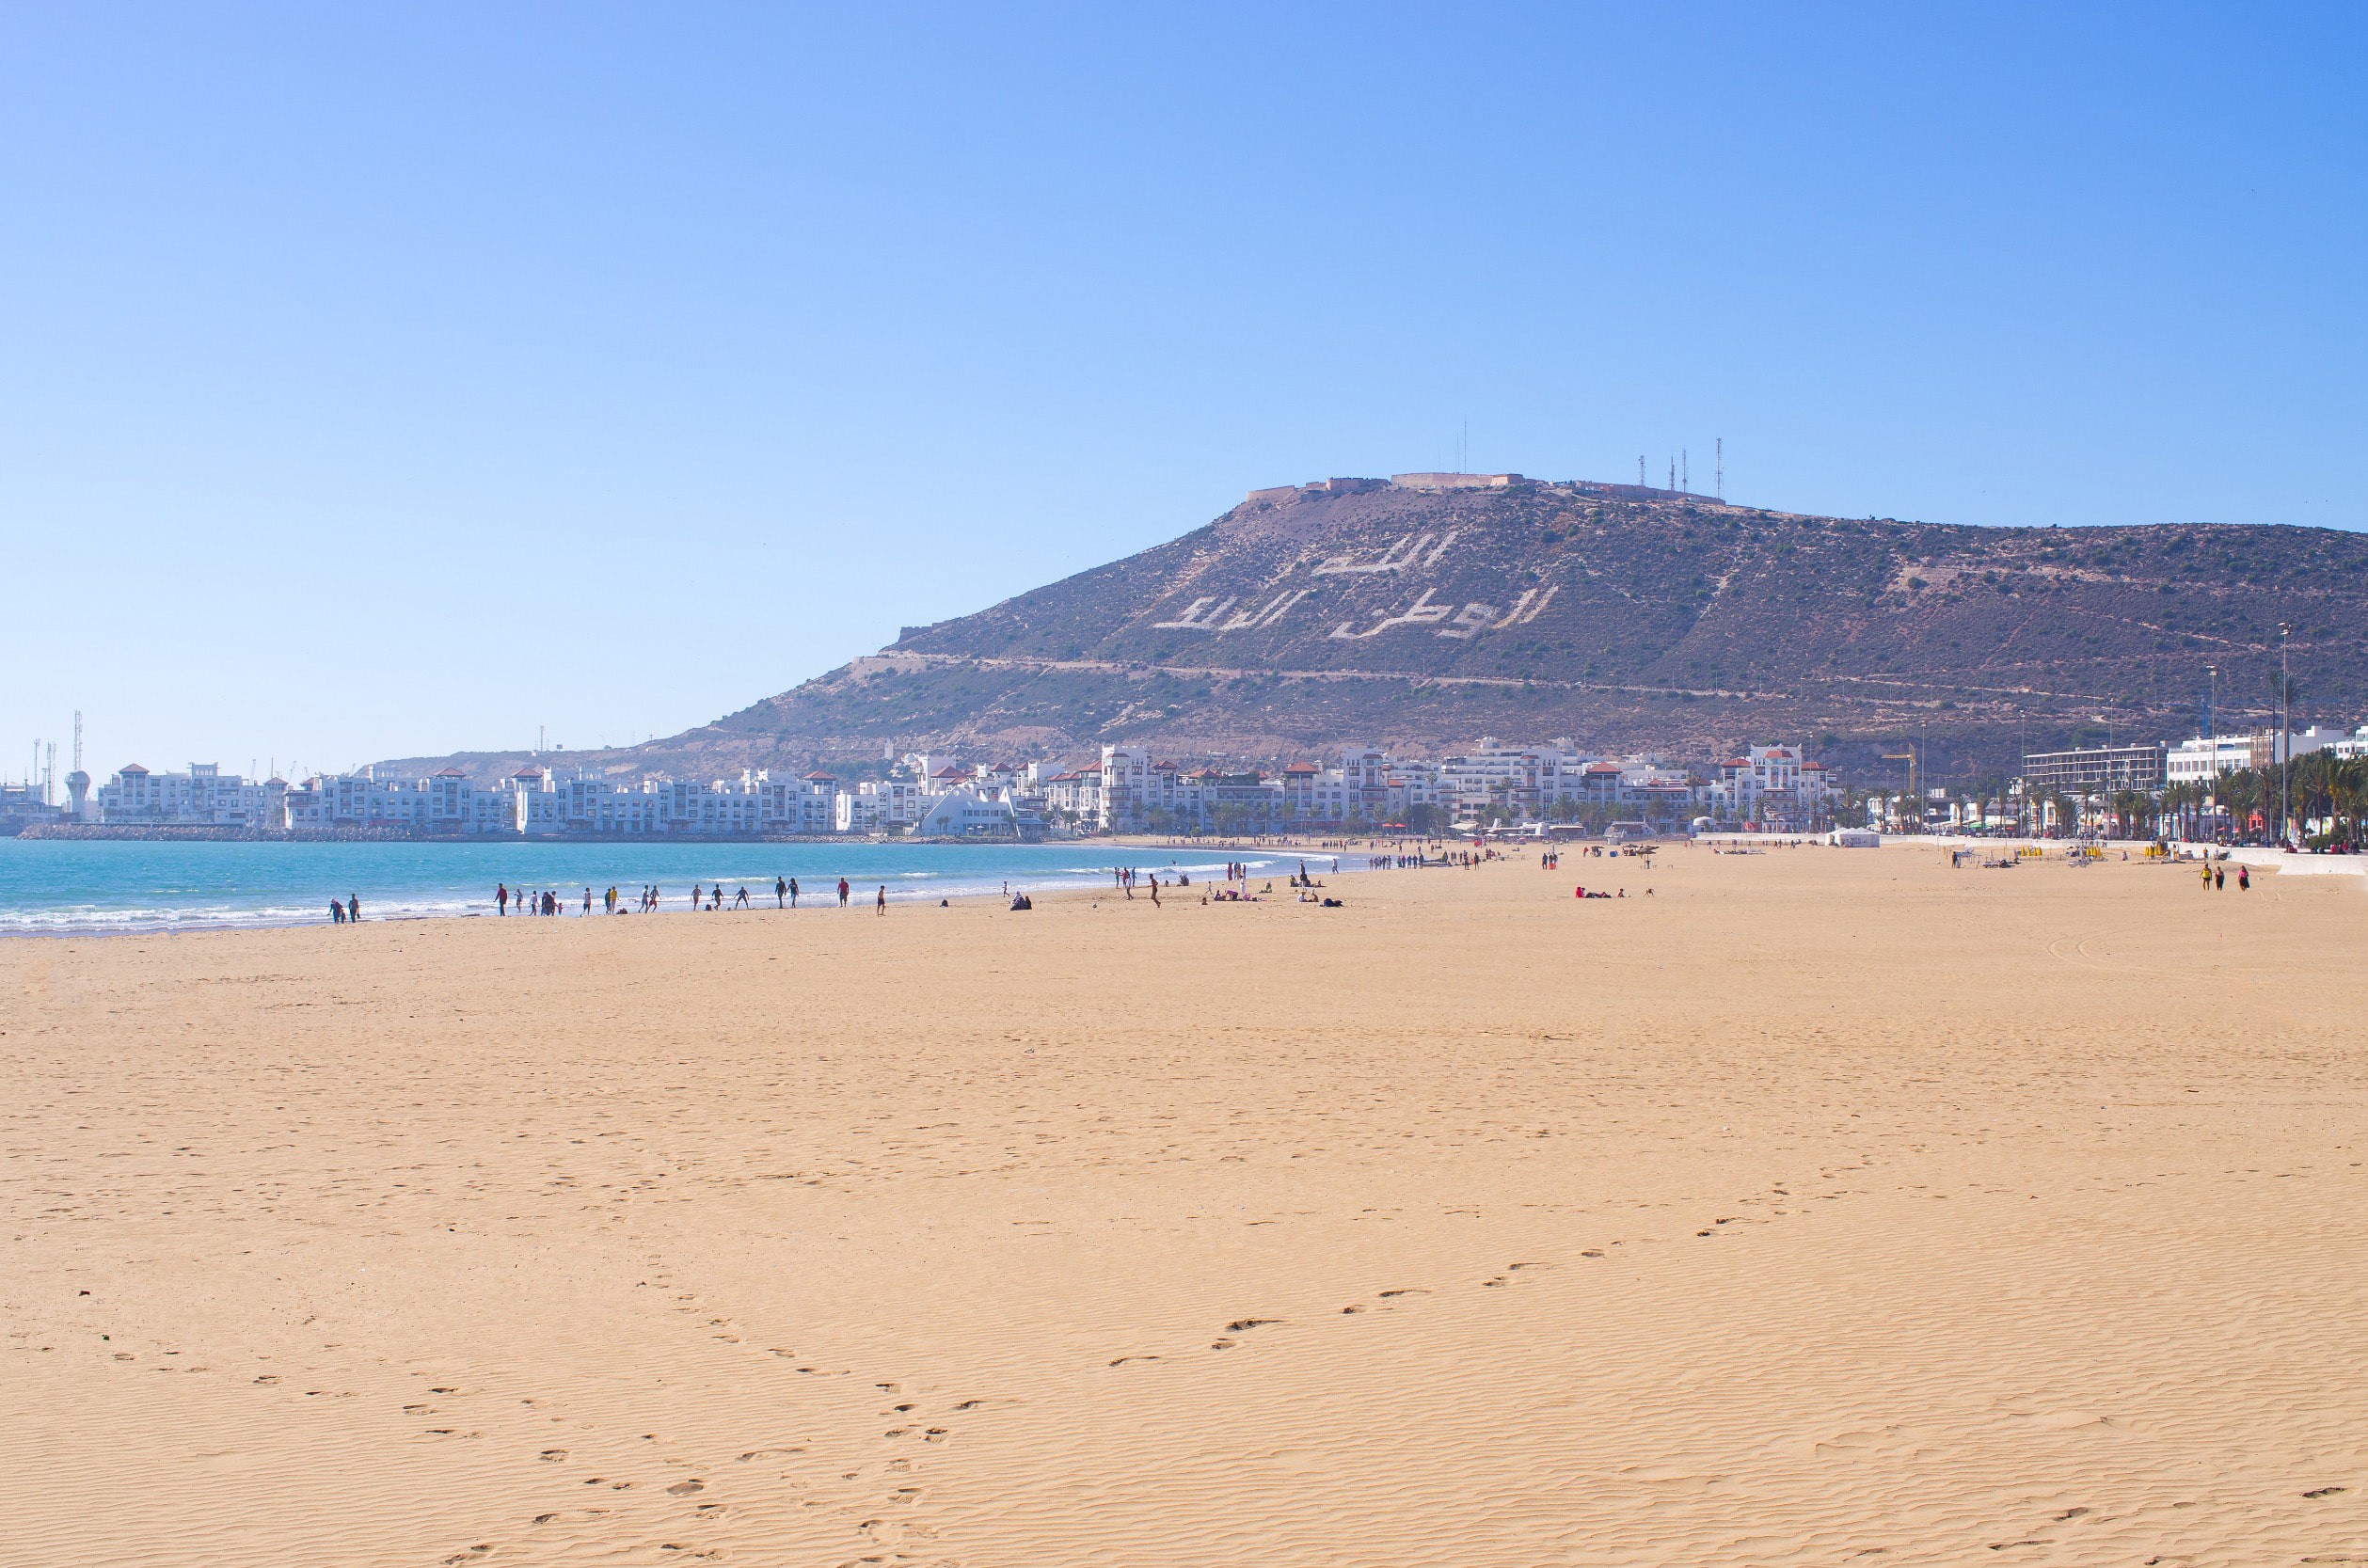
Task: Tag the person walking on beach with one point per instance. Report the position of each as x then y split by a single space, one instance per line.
2220 879
781 892
742 902
695 895
352 909
587 914
881 907
842 892
793 892
2244 880
337 912
501 897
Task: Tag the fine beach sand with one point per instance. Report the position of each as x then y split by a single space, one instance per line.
1826 1207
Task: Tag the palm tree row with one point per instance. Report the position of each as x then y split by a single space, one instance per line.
2324 787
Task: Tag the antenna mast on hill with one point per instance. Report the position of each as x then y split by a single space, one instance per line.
1721 479
1685 470
1673 473
1640 470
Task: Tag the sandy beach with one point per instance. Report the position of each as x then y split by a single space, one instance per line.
1826 1206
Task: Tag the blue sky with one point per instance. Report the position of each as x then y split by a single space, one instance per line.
399 379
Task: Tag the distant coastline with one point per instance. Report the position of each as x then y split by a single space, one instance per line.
150 832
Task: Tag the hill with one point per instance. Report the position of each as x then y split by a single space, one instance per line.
1624 618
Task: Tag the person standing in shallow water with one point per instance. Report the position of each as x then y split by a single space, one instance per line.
781 892
882 907
337 912
352 909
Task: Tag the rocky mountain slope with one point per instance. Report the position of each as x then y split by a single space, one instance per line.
1626 620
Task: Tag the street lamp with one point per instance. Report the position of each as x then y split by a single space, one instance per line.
2211 740
2285 742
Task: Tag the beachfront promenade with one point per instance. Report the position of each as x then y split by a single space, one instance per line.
1827 1205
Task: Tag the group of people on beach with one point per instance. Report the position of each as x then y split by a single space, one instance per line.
704 899
346 913
546 902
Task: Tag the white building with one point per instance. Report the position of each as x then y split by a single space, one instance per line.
967 811
2202 759
878 806
1773 786
203 796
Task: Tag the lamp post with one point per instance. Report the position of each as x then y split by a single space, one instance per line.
2285 742
2211 740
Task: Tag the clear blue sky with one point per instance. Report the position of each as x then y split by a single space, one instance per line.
379 380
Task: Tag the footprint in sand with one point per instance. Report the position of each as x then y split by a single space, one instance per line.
685 1488
553 1456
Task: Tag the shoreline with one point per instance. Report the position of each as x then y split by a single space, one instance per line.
906 888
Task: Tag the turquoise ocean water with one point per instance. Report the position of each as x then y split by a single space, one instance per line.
67 887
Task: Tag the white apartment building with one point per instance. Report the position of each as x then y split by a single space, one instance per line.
2204 758
877 806
202 797
1773 785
